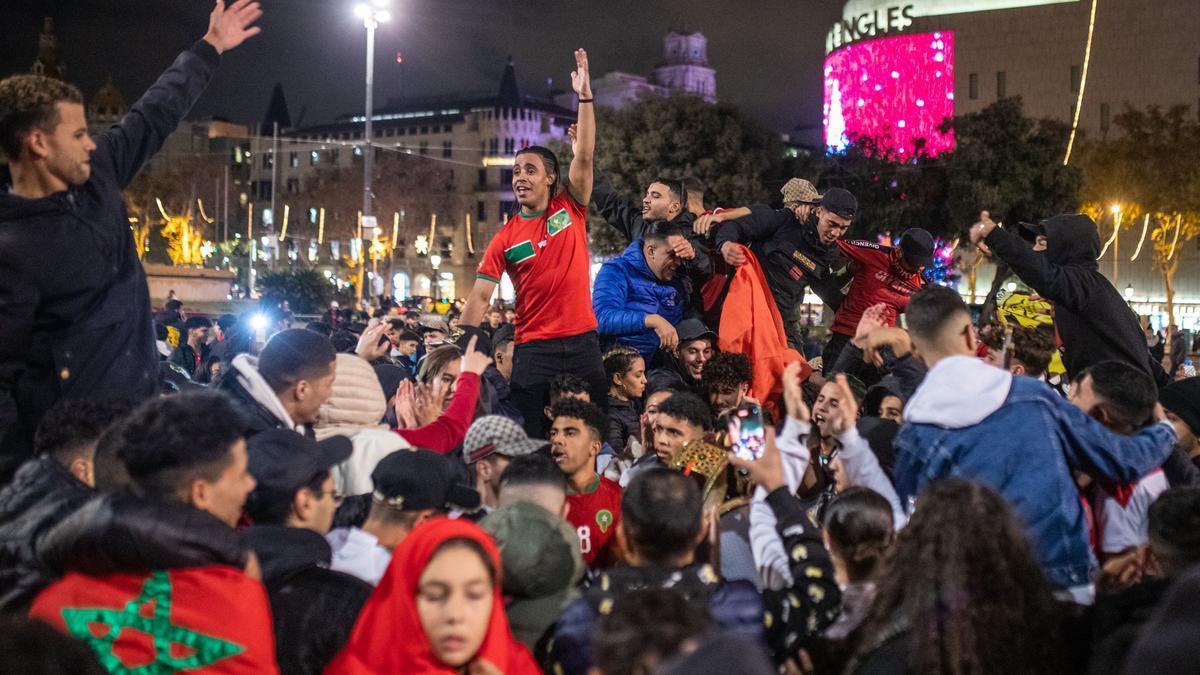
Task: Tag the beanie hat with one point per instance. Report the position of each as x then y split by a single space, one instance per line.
1182 398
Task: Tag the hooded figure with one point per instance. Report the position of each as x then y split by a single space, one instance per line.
392 613
1092 318
356 409
542 564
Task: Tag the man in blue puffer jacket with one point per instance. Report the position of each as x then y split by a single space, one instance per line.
637 297
1014 434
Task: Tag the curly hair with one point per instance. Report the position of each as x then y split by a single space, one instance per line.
727 369
589 413
28 102
168 442
963 585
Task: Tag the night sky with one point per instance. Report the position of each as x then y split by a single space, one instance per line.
767 54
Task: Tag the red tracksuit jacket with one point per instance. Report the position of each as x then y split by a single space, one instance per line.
878 277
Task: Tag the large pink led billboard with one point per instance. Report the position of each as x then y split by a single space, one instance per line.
895 89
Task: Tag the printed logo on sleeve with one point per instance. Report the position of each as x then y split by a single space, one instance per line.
558 222
518 253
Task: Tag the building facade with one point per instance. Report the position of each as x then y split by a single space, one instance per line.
474 137
684 69
899 67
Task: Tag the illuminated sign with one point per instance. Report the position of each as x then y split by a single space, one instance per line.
895 90
869 24
869 18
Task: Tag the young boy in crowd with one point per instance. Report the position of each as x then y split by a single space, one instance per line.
594 502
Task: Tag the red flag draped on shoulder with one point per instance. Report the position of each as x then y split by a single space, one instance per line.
750 324
203 620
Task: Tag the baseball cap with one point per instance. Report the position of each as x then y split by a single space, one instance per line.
494 434
694 329
798 190
840 202
916 245
412 480
284 461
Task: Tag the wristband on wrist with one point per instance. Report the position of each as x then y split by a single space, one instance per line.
586 100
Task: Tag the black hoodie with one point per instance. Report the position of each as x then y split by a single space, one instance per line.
1093 320
74 306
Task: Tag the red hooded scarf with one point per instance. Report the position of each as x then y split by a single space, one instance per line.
388 636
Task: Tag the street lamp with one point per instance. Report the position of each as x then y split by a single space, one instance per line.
436 261
372 14
1129 294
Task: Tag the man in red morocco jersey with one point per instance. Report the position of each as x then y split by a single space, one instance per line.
882 274
593 501
544 251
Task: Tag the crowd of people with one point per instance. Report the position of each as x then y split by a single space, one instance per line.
564 485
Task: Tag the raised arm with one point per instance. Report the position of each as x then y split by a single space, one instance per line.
129 145
1058 284
580 175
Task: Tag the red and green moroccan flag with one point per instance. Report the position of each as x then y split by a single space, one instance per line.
200 620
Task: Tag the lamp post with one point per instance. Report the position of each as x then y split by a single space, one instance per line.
372 14
1129 295
436 261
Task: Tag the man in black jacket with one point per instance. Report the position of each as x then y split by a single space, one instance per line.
74 306
1092 318
193 351
292 510
47 489
796 246
665 200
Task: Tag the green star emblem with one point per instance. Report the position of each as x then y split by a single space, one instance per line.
204 649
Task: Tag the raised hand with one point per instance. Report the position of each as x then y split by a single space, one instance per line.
230 26
427 406
793 392
767 470
896 338
405 405
845 415
872 319
372 344
980 231
581 79
474 361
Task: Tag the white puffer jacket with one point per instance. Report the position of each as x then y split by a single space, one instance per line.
355 409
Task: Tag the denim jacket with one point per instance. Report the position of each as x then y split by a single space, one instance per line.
1014 434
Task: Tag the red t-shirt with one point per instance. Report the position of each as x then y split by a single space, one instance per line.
595 515
878 277
546 256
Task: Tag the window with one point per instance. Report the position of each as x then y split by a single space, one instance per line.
482 177
446 129
506 176
424 130
1104 117
447 247
1076 78
973 86
481 211
509 146
293 160
507 208
447 149
401 248
268 160
494 146
314 157
424 147
1001 84
293 185
333 154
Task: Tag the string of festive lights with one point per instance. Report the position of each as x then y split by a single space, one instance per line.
1087 58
